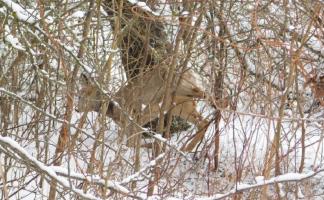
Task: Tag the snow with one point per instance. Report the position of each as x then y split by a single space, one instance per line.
50 77
15 184
279 179
185 13
288 177
291 28
21 13
142 171
116 186
250 127
141 4
159 137
259 179
2 10
13 95
316 44
156 197
78 14
91 178
29 160
14 42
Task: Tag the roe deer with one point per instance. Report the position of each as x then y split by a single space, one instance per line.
148 91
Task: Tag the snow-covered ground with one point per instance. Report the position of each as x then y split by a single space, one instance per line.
31 128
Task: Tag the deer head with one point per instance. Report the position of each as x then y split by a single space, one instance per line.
90 98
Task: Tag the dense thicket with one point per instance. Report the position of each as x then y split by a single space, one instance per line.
260 62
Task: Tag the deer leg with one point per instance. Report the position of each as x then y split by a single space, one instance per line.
187 110
149 113
198 137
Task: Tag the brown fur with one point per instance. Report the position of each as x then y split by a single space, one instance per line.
149 91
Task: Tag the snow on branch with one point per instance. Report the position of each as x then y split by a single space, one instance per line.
136 176
142 5
12 40
289 177
159 137
15 96
21 99
13 149
24 16
112 185
20 12
59 171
